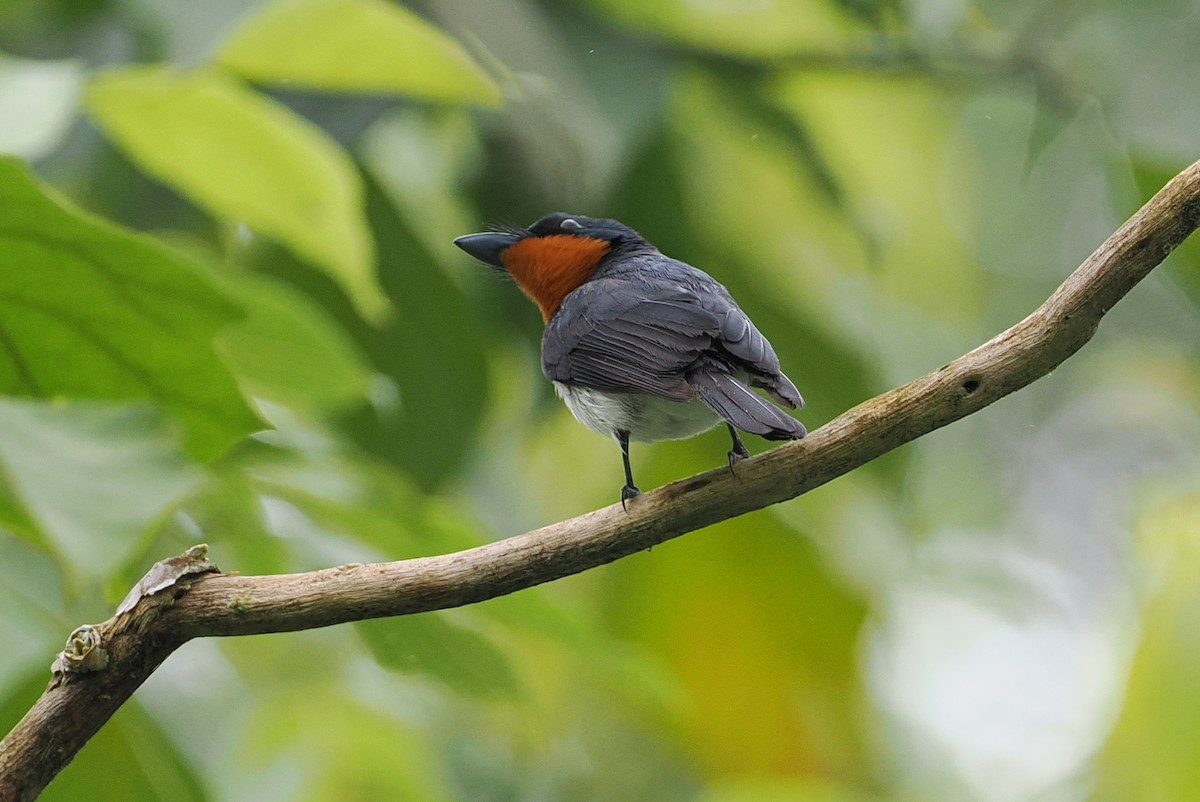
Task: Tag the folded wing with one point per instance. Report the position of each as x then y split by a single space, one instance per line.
674 343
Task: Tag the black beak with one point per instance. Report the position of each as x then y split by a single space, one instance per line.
487 247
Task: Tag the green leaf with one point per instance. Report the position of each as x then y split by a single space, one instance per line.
432 431
91 476
288 350
431 644
898 202
429 428
744 29
88 310
227 513
34 623
361 45
1152 751
245 159
16 519
357 497
18 691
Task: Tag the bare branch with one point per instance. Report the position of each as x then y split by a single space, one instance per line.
207 604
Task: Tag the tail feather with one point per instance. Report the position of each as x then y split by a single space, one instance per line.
742 407
780 388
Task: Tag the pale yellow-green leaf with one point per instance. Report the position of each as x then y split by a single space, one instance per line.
759 29
1152 752
895 183
357 45
742 184
247 160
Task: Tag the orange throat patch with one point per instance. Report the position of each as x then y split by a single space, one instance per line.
548 268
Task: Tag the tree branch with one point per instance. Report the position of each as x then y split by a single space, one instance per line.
193 604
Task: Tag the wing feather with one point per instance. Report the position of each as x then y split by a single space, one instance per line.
622 335
623 343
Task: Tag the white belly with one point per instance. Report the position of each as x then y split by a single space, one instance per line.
645 417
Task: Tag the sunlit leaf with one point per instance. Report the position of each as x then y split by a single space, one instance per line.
426 427
1151 754
746 195
91 476
750 29
900 201
360 45
247 160
90 311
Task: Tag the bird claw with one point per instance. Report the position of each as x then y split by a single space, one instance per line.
736 456
628 492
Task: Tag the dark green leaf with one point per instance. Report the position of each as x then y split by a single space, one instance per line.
431 644
433 352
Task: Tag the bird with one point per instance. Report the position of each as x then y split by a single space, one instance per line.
641 347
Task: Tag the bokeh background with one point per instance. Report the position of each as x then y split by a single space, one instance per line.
230 312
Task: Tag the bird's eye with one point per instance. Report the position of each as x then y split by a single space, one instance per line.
570 225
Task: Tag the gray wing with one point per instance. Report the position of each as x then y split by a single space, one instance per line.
752 353
621 336
610 338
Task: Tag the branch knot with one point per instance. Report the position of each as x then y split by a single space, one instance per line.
83 653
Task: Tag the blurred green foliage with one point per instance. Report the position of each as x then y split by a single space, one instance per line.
230 312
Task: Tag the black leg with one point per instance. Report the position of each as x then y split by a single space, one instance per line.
629 490
738 452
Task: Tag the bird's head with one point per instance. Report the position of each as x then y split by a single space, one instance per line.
553 256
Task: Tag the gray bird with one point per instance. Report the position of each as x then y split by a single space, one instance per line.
640 346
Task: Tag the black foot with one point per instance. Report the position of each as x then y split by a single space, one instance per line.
735 457
738 452
628 492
